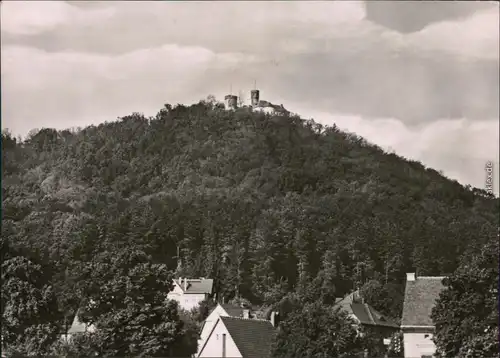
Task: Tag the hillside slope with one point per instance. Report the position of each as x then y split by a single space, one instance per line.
252 200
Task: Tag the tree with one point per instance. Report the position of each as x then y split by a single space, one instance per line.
387 299
132 313
466 313
316 331
29 307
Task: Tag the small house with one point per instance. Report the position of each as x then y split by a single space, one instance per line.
421 294
365 315
221 310
190 292
77 327
233 337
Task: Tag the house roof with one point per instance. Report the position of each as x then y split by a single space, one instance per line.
366 314
420 297
77 326
253 337
196 285
233 310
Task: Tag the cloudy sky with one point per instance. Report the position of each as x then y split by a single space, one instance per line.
421 79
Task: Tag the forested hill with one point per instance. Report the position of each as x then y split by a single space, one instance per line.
254 201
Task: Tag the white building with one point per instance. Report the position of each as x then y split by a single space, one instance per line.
421 294
190 292
238 338
77 327
221 310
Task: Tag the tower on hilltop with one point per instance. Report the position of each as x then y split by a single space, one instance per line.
255 94
231 101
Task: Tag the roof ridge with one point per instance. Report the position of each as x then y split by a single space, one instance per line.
430 277
246 319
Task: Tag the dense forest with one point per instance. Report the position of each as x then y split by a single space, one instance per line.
260 203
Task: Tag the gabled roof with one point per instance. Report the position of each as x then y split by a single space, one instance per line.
420 297
196 285
77 326
253 337
364 313
232 310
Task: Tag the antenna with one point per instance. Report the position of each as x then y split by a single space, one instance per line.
254 84
231 89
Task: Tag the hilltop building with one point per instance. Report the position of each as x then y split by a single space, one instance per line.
231 102
256 104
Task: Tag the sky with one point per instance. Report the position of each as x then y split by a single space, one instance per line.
420 79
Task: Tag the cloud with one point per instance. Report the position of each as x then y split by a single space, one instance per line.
47 89
32 17
408 17
476 36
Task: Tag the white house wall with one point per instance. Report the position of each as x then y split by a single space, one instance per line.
210 322
213 346
418 344
186 301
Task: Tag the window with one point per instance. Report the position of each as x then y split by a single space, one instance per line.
426 336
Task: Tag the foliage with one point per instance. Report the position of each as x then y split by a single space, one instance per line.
201 312
265 205
387 299
316 331
466 314
28 305
131 311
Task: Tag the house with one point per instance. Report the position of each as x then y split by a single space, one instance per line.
221 310
190 292
365 315
421 294
77 327
239 338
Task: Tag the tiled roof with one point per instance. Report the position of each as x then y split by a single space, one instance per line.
196 285
365 313
252 337
232 310
420 298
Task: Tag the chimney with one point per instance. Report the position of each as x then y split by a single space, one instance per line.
223 345
274 318
246 314
185 284
411 276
